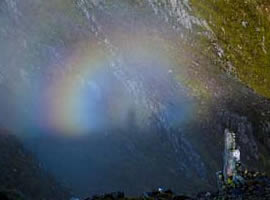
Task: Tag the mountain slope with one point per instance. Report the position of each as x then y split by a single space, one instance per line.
241 29
21 172
153 62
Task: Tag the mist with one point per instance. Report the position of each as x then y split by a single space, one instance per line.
123 95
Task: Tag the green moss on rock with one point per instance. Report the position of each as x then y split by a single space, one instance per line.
242 29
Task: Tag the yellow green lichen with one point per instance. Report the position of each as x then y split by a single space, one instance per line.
242 29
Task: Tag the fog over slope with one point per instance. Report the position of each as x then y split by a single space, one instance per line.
125 95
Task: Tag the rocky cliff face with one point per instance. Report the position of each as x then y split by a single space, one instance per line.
162 89
241 29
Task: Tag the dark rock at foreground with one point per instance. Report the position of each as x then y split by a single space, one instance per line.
11 195
256 186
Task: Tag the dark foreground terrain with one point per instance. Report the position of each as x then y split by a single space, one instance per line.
257 187
23 178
